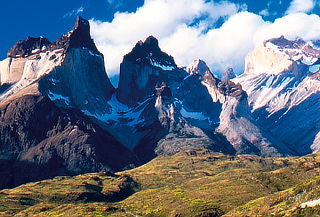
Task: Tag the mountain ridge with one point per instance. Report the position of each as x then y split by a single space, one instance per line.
159 108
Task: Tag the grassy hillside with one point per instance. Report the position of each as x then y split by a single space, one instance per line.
301 200
191 183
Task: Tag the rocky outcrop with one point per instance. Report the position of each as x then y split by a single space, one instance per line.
80 81
228 74
79 37
28 47
198 67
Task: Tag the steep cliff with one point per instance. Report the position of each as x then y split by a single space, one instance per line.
282 82
44 88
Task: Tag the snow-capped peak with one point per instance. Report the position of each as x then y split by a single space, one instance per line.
198 67
297 50
149 53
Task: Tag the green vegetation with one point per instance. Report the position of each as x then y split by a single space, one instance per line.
191 183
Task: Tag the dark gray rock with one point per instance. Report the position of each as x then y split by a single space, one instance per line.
48 141
25 47
228 74
145 67
79 37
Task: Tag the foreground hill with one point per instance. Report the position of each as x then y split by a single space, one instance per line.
190 183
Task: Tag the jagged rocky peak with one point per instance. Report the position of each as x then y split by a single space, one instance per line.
280 55
285 43
198 67
69 71
82 24
79 37
163 90
297 49
149 52
28 47
228 74
229 88
143 69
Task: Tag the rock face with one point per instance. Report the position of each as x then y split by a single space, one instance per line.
70 71
142 69
235 122
228 74
79 37
85 86
44 88
282 82
29 46
198 67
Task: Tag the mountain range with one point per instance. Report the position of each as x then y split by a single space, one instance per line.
60 114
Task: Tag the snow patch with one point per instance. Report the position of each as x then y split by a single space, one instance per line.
55 97
314 68
268 93
35 51
58 50
54 81
312 203
120 113
309 60
163 67
193 115
92 54
32 70
294 54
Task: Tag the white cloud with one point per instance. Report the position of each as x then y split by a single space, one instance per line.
170 21
303 6
264 13
292 26
74 12
115 3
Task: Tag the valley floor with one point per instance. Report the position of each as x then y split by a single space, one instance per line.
192 183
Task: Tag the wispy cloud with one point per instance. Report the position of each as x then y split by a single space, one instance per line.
264 13
181 32
74 12
300 6
115 3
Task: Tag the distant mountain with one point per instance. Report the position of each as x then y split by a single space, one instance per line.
60 114
282 82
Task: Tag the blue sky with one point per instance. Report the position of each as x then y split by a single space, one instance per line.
220 32
20 19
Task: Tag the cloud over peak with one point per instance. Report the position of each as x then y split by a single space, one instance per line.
303 6
190 29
